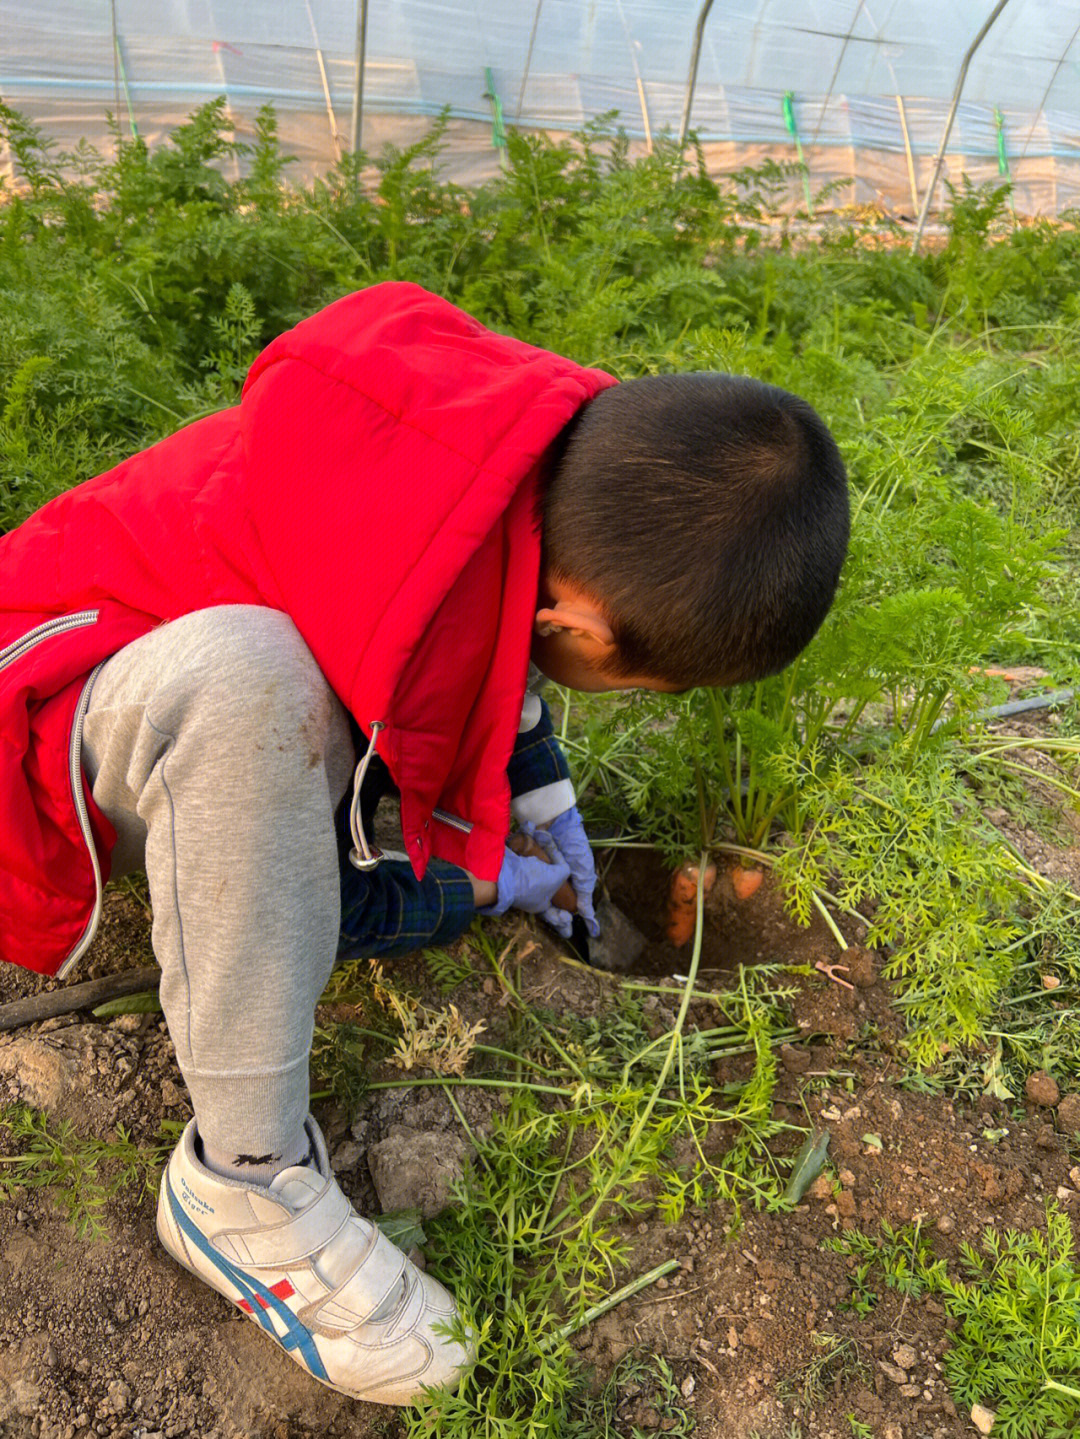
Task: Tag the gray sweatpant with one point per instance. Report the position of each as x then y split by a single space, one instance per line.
219 753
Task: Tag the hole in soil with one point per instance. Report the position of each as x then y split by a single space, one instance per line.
749 931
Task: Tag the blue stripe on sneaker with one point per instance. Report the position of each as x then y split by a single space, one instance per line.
261 1299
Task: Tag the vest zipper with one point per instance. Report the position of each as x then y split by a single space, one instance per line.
451 820
75 775
45 631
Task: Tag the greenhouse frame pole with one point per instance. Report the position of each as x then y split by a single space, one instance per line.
358 81
957 92
908 150
528 59
692 80
642 101
1046 93
836 74
320 59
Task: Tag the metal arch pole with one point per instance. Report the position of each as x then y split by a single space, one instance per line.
642 101
115 64
957 92
692 80
358 80
1046 92
335 138
836 73
908 150
528 59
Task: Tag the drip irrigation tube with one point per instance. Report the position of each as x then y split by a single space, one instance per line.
1015 707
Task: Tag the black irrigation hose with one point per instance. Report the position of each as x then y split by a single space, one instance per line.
1016 707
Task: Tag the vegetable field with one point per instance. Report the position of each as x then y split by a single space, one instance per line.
814 1170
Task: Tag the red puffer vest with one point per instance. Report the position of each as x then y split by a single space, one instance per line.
377 483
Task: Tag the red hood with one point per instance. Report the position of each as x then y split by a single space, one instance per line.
378 483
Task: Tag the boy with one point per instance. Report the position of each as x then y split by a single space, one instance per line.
352 569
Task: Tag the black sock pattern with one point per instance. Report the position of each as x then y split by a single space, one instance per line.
251 1161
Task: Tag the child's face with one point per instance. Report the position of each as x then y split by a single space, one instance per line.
573 644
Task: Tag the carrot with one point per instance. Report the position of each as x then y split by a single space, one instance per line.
745 882
682 902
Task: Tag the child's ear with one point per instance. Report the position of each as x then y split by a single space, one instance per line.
577 619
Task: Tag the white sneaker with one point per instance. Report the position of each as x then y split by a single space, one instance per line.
327 1285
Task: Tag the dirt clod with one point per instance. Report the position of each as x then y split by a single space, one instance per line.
413 1169
1068 1112
860 967
795 1058
1042 1089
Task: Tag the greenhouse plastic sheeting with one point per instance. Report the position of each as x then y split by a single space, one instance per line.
858 73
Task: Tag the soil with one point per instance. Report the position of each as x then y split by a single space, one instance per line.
110 1337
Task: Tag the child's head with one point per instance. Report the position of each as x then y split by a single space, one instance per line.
694 527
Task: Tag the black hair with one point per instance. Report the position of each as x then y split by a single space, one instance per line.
707 515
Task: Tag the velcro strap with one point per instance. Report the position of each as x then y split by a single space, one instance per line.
361 1294
278 1246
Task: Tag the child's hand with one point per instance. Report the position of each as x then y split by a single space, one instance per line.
568 833
528 883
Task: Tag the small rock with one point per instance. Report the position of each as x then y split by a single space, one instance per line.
44 1074
904 1355
753 1337
119 1396
171 1094
892 1371
345 1157
1068 1113
20 1397
129 1023
946 1224
983 1419
1040 1088
821 1188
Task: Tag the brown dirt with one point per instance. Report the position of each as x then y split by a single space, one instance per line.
111 1338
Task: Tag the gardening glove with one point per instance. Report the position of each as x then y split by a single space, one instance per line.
568 833
528 883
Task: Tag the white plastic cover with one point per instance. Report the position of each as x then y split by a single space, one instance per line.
858 73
